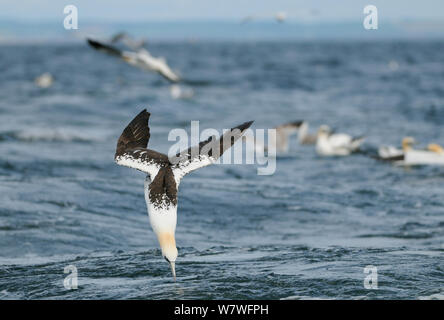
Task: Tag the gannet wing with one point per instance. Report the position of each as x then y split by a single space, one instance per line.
105 48
132 149
206 152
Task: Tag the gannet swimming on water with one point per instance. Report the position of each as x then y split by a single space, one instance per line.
44 81
391 153
140 58
164 174
433 155
336 144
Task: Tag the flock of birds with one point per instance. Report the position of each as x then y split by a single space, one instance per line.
329 143
163 174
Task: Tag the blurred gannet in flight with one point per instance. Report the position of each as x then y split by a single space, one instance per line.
140 58
127 40
44 81
164 174
336 144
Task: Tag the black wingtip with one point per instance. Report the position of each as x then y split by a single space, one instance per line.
144 111
297 123
141 116
93 43
245 125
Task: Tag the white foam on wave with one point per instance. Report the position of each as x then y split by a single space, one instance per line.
436 296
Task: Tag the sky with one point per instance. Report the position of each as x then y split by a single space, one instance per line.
185 10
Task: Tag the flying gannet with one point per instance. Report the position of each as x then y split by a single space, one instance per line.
127 40
140 58
336 144
164 174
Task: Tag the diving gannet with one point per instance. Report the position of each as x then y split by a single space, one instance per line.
336 144
164 174
140 58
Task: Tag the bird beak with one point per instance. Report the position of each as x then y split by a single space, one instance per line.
173 270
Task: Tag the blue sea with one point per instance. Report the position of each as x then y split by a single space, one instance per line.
306 232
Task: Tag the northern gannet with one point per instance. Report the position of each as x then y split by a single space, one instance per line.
336 144
44 81
127 40
391 153
140 58
164 174
408 156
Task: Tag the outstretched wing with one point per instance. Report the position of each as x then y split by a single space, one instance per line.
105 48
206 152
131 148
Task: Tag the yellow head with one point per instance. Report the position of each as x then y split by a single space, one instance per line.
435 148
407 143
169 251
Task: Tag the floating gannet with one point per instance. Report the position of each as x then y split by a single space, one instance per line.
164 174
44 81
140 58
336 144
423 157
407 156
391 153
